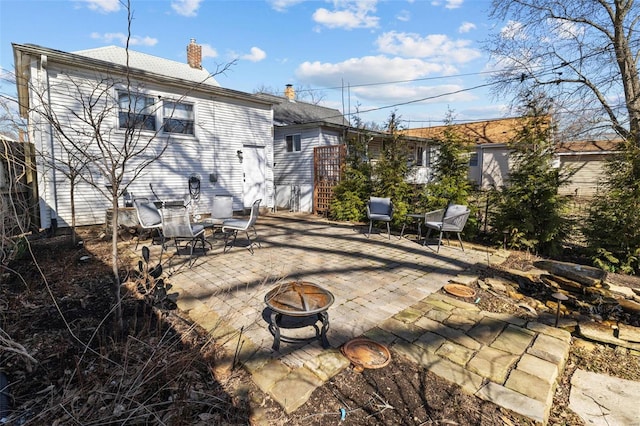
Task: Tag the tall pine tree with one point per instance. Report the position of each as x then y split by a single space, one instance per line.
529 208
612 228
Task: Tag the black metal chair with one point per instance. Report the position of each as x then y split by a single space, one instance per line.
149 217
177 227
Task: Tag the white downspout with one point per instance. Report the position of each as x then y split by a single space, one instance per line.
52 160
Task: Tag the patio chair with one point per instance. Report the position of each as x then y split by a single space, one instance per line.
149 217
230 227
380 209
453 218
221 210
176 227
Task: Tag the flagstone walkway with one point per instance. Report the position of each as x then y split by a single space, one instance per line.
384 289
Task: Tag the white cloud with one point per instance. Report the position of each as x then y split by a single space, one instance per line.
121 38
103 6
256 55
448 4
512 30
283 5
435 46
465 27
208 51
404 16
368 69
565 30
186 7
348 15
400 93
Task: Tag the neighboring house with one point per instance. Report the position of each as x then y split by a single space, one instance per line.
421 152
587 160
489 162
298 128
218 141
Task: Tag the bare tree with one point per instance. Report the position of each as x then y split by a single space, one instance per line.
14 198
583 53
303 93
78 115
310 95
10 123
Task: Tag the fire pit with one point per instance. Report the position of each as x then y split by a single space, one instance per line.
295 305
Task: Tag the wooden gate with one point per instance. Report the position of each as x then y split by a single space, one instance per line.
328 165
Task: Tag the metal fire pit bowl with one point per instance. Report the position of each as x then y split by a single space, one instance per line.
299 304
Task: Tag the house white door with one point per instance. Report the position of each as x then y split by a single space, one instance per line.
254 169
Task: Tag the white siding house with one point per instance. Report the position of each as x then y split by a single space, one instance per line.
200 129
299 127
421 154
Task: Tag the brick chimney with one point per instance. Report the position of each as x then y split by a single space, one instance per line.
194 54
289 92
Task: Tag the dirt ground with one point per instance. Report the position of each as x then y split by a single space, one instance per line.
64 363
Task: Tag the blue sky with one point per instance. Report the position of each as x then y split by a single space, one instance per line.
419 58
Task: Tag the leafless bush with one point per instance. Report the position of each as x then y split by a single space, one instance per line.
14 200
141 380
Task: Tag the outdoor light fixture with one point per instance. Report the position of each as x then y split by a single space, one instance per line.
239 152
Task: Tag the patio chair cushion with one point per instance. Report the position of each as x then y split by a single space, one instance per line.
235 223
380 208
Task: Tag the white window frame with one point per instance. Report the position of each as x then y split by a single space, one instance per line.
419 156
291 146
182 113
143 107
474 159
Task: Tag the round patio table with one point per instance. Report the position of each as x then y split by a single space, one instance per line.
299 304
417 218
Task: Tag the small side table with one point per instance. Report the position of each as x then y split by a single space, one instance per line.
413 218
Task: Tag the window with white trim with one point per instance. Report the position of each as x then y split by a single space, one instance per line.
177 117
136 111
473 159
293 143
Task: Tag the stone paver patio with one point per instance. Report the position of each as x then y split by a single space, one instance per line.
384 289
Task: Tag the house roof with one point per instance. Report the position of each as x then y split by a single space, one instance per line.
290 112
481 132
149 63
112 60
589 147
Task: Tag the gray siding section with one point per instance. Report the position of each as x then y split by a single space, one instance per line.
294 170
589 172
495 167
